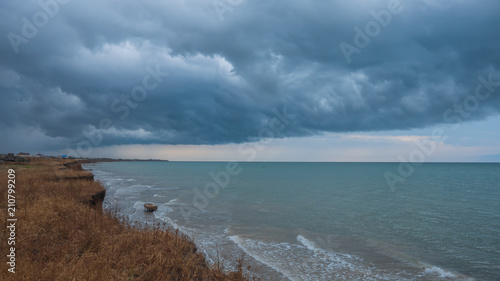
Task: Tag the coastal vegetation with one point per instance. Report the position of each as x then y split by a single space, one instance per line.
62 233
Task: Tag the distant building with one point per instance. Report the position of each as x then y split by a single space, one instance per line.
64 156
3 156
20 157
40 155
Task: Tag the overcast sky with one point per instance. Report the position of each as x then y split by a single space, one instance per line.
360 80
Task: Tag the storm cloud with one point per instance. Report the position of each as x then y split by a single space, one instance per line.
216 72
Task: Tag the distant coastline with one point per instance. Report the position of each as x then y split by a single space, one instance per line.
96 160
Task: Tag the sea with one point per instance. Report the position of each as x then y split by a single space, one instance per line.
322 221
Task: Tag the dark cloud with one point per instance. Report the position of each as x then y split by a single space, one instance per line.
226 76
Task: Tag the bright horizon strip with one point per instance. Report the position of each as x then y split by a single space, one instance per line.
331 147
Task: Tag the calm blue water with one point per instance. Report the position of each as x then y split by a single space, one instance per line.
324 221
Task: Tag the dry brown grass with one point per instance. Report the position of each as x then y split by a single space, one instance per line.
59 236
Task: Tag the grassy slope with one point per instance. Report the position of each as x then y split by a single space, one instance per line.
63 234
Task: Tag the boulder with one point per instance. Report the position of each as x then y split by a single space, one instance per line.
150 207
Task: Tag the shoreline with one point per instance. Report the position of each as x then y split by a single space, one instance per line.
430 272
252 267
62 202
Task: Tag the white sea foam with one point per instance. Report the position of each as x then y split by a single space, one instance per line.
166 219
162 214
296 262
131 190
141 186
309 244
173 201
440 272
245 245
139 205
164 208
